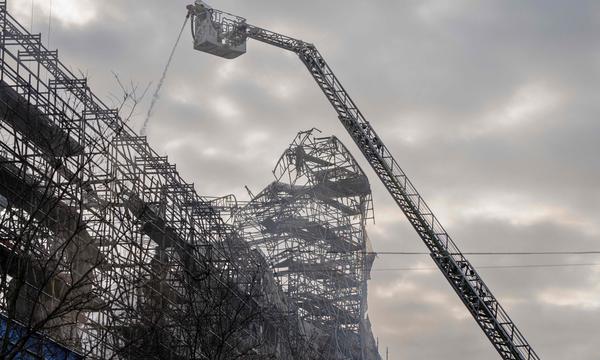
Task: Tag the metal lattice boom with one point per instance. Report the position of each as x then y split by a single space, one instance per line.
462 276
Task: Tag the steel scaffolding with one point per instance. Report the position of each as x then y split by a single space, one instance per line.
103 246
105 249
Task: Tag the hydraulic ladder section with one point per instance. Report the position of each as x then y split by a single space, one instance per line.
232 31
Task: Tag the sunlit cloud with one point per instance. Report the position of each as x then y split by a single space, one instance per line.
528 104
405 289
66 12
227 70
283 91
586 299
210 152
254 138
434 11
413 128
513 208
520 210
225 107
183 93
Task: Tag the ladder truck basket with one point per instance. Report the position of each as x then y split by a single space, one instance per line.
217 32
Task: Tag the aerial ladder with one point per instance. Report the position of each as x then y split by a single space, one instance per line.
223 34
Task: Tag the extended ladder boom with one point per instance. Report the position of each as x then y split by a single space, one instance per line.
231 33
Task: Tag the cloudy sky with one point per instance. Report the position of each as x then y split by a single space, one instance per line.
491 107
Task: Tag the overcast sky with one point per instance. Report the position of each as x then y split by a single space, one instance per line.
491 107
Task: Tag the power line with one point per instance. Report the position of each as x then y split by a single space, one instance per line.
429 268
536 253
484 253
524 266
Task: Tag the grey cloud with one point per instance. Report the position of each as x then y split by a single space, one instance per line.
433 76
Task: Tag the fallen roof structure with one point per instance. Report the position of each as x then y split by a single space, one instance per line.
310 221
